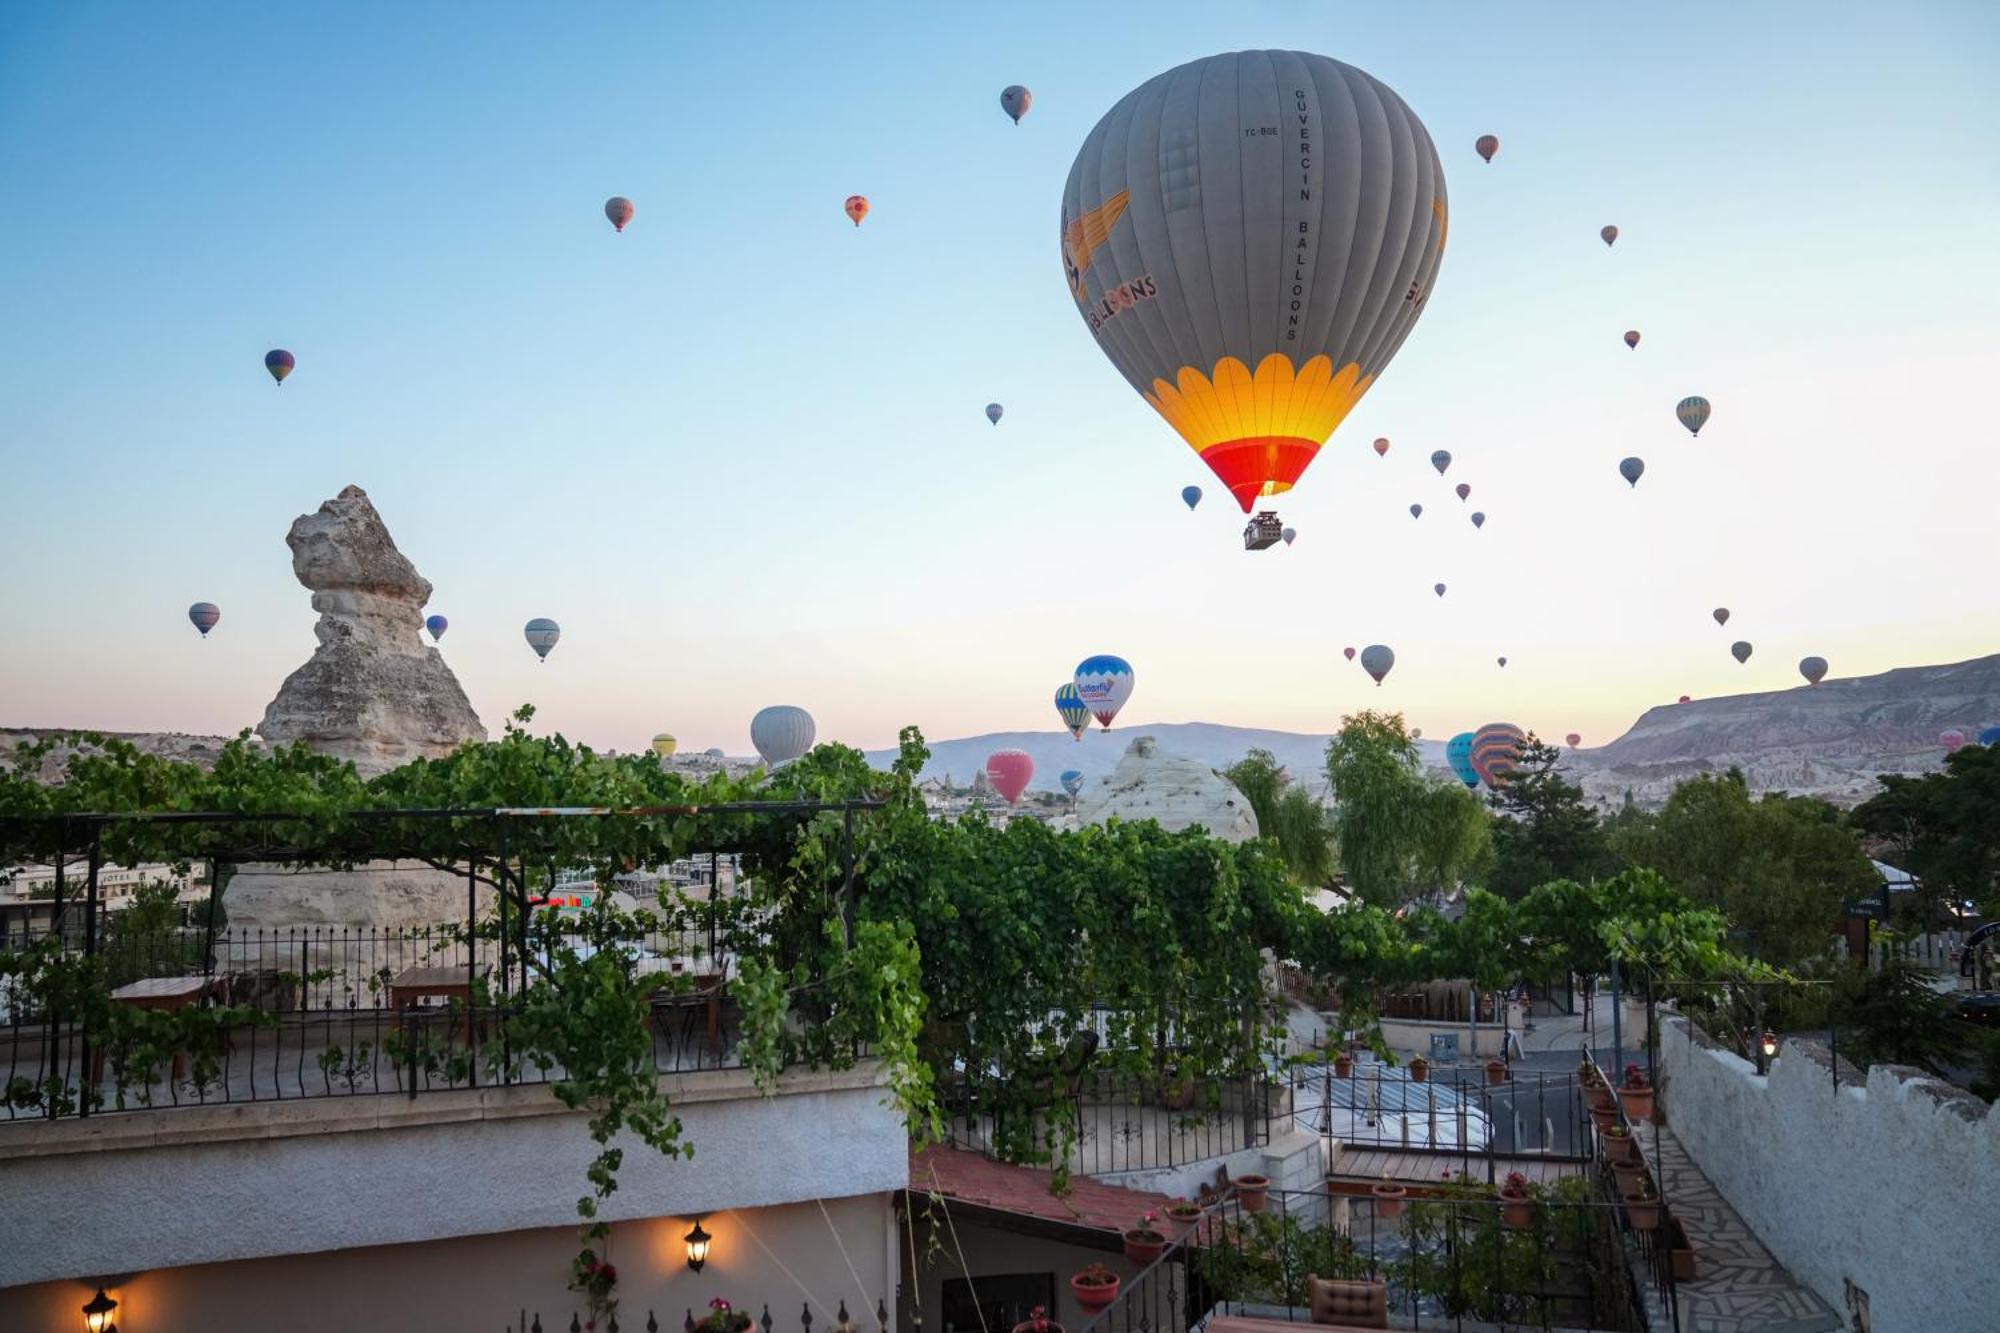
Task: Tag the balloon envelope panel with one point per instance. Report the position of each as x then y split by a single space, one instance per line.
1250 237
781 733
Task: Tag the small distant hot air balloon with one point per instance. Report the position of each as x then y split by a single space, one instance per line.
1441 460
1574 739
713 752
1381 448
1072 780
1348 653
1015 101
1632 469
664 745
1376 659
1740 650
1478 519
1463 490
1190 496
1496 750
782 733
203 615
1290 535
1685 699
437 625
541 634
279 362
1990 736
1608 234
1693 413
993 412
1951 739
1502 661
856 207
1721 614
1631 337
1813 669
1458 754
1486 145
619 209
1104 683
1070 706
1438 588
1009 771
1416 511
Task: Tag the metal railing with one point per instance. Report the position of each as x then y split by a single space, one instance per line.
525 1322
1103 1121
1463 1257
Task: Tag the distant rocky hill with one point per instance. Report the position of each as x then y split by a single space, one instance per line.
1829 740
171 744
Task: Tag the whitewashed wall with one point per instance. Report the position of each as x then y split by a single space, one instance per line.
1889 1184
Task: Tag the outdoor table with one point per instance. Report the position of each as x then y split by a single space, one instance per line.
162 993
444 983
710 977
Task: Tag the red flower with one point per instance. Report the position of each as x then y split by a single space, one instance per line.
608 1273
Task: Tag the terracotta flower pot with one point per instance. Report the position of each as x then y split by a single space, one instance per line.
1343 1066
1516 1210
1093 1296
1496 1072
1604 1117
1251 1192
1621 1148
1600 1097
1628 1176
1680 1252
1420 1070
1143 1246
1644 1212
1638 1103
1034 1326
1388 1199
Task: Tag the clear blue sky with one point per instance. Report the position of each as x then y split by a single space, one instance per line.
739 451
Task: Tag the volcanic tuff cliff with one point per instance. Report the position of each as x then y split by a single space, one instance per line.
1180 793
373 691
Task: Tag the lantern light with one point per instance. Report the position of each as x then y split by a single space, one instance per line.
97 1313
697 1247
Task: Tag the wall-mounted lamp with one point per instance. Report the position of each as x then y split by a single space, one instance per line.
1770 1040
97 1313
697 1243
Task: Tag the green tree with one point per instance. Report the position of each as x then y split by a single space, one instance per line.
1286 814
1371 764
1942 827
1452 837
1547 828
1898 1018
1780 868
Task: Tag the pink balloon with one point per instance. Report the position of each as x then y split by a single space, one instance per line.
1009 771
1951 740
1349 652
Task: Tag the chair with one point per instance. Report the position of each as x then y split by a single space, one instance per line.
1351 1304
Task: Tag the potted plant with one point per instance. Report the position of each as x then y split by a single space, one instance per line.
1637 1094
1094 1288
1388 1198
1343 1064
1038 1321
597 1281
1517 1204
1420 1069
1586 1073
1177 1089
1251 1192
1604 1117
1619 1145
1184 1212
722 1318
1144 1242
1642 1205
1598 1096
1496 1071
1680 1251
1627 1174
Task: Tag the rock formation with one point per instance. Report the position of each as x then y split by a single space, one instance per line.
373 692
1179 793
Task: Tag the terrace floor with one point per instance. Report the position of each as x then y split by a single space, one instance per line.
1738 1287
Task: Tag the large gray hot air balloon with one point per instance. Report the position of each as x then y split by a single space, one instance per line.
781 733
1632 469
1249 237
541 634
1812 668
1441 460
1376 659
1015 101
1740 650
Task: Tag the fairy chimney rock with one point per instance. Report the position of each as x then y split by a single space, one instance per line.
1177 791
373 691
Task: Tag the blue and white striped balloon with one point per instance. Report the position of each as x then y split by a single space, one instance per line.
1069 704
1104 683
1072 780
541 634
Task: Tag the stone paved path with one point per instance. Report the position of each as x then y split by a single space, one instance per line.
1738 1287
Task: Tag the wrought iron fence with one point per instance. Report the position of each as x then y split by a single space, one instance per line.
840 1321
1457 1256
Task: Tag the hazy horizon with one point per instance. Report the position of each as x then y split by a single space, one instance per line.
739 451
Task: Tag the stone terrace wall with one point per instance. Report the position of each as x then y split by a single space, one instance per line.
1889 1183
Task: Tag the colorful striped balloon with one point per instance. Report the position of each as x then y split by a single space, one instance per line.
1496 750
204 615
1693 412
280 363
1070 705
